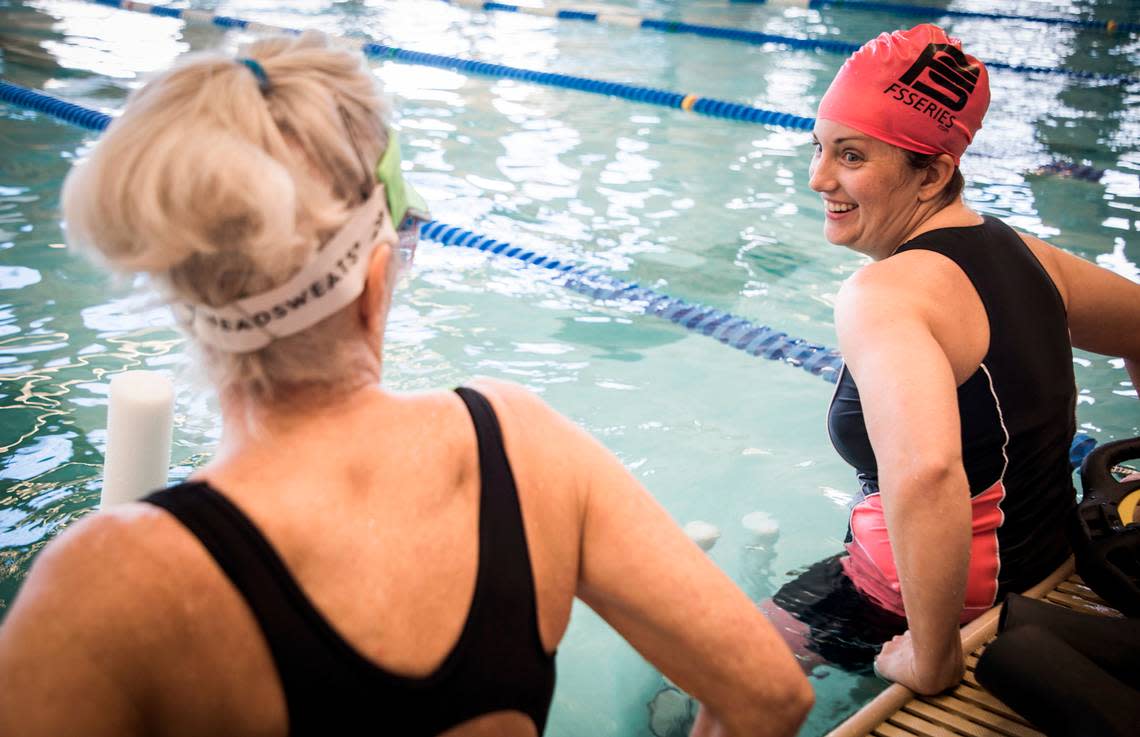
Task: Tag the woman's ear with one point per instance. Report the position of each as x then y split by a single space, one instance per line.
378 283
935 177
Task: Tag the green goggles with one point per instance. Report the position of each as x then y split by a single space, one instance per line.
405 204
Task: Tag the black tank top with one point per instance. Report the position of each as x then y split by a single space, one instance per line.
498 663
1017 410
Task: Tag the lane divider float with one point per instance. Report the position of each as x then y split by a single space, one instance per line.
845 48
703 105
1109 26
738 332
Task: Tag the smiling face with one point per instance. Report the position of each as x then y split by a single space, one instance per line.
871 195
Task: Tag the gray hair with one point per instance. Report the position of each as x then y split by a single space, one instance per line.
219 191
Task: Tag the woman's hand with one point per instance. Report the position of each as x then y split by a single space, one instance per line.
896 662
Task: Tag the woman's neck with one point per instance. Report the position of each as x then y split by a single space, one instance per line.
248 422
955 215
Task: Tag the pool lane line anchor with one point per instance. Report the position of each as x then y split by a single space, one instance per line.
628 20
738 332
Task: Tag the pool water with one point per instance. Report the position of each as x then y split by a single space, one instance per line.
707 210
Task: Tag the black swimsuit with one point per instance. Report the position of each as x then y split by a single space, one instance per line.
1017 420
1017 415
498 663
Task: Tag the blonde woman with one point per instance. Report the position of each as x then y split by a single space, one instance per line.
351 559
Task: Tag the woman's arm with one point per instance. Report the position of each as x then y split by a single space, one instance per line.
639 571
910 406
1103 307
654 586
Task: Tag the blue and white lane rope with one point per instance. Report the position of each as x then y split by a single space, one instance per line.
738 332
1109 26
703 105
734 331
737 34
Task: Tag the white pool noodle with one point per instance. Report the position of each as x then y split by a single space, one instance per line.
140 420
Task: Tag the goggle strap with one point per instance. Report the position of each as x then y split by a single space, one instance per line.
402 198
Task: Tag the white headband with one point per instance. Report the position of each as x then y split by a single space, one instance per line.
328 283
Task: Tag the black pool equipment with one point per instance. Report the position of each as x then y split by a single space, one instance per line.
1105 529
1069 674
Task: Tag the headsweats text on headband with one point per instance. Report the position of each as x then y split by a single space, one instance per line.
327 284
914 89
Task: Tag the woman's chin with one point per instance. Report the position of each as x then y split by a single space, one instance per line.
834 237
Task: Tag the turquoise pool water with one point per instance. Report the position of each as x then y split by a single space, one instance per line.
708 210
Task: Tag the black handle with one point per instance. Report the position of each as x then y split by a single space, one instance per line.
1096 471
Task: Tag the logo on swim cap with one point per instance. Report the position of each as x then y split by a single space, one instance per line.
944 89
950 76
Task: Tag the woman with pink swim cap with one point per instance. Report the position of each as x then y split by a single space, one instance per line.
956 403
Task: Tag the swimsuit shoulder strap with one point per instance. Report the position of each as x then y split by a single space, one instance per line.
504 556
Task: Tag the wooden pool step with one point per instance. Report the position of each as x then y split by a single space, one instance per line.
968 710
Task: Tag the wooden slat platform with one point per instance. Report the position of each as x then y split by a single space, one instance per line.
968 710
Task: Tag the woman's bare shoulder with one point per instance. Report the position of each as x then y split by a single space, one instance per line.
543 445
513 398
918 282
96 612
109 561
908 279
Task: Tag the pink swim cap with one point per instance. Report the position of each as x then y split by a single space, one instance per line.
915 89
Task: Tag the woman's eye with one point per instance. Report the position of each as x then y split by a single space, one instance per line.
851 157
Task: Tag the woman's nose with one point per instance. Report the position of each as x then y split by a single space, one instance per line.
819 174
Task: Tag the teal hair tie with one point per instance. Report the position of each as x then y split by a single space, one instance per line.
258 71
